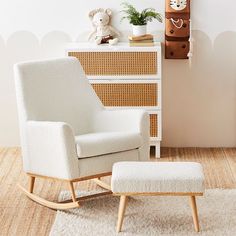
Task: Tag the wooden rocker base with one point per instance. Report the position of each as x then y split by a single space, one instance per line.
67 204
87 197
49 204
102 184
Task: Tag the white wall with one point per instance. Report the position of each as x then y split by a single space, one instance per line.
199 102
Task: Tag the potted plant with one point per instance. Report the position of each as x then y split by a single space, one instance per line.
139 20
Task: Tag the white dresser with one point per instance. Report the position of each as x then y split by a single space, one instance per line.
125 77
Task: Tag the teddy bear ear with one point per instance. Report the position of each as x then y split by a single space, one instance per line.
92 13
108 11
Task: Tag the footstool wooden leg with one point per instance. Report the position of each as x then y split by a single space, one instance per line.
194 213
121 213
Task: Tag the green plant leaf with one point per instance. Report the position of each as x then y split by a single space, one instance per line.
139 18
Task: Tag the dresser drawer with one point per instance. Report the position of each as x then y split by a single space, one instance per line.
117 63
153 125
128 94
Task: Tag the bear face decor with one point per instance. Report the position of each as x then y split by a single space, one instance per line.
178 5
103 32
177 32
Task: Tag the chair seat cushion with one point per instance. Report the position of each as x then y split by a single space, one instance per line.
95 144
157 177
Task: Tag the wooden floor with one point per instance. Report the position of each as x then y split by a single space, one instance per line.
20 216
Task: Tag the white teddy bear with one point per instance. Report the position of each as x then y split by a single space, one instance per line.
103 31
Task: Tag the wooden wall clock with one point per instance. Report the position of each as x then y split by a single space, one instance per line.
177 30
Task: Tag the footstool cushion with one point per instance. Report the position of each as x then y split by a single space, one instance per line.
157 177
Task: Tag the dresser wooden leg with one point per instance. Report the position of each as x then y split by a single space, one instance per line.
158 150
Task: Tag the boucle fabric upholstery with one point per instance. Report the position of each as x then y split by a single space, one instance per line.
101 143
154 177
104 163
56 105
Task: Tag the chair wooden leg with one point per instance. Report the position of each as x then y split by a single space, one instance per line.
194 212
72 190
121 213
31 183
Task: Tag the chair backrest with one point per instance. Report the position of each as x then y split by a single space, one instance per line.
56 90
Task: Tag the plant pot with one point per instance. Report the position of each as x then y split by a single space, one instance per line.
139 30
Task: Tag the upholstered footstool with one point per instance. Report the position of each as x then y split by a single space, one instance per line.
157 178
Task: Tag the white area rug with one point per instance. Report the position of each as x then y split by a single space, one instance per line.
150 216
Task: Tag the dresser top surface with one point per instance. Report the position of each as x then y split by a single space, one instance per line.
109 48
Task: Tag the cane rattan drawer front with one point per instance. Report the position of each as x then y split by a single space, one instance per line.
153 125
127 94
117 63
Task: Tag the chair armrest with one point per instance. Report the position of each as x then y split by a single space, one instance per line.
50 149
131 120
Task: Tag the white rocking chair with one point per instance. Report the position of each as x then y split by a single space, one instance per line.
66 133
